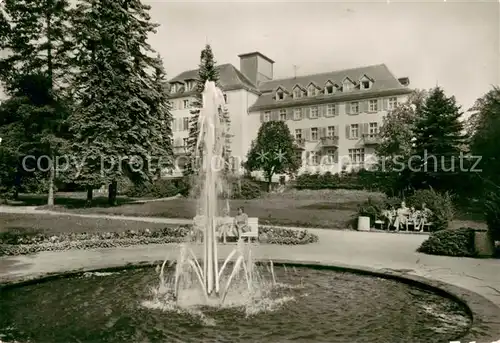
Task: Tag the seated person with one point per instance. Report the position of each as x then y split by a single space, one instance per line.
401 216
241 222
426 215
388 216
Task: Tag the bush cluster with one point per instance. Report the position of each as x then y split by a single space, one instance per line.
164 188
492 214
363 179
440 204
20 243
160 188
458 243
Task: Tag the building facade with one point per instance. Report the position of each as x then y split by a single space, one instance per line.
335 117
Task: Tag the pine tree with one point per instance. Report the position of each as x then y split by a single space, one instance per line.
122 115
438 133
35 34
207 72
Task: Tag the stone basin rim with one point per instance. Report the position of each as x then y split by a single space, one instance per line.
484 313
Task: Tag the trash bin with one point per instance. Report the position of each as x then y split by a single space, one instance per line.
483 243
363 223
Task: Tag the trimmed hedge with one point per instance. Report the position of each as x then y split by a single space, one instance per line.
458 243
21 243
358 180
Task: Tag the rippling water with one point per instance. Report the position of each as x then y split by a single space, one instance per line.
310 306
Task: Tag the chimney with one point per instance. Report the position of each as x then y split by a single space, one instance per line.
256 67
405 81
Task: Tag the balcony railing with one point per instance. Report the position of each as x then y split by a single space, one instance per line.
371 139
329 142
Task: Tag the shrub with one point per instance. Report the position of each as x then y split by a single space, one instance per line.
450 243
249 189
492 214
441 206
160 188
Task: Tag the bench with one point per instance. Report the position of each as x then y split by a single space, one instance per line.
224 225
253 224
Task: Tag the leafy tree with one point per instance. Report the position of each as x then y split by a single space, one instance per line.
438 132
121 116
397 143
273 151
35 34
207 72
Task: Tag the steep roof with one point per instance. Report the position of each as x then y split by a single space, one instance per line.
230 78
384 80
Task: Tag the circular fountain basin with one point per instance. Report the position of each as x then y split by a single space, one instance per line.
306 305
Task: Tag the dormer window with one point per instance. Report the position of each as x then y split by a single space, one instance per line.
311 91
173 88
347 85
329 88
365 82
297 93
280 95
190 85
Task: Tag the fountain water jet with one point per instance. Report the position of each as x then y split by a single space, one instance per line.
211 142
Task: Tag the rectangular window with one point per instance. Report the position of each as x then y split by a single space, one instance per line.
373 106
330 153
185 123
365 85
185 103
330 110
185 141
393 103
357 155
354 107
267 116
330 131
173 88
297 114
314 133
283 115
354 131
314 112
174 105
329 89
280 95
298 133
312 91
373 129
315 159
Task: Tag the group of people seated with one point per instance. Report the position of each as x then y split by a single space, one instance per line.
404 217
225 225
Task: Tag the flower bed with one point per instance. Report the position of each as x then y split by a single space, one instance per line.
22 243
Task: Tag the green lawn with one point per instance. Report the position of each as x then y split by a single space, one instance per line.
322 208
328 209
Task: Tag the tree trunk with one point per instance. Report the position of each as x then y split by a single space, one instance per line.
50 198
269 182
112 191
90 193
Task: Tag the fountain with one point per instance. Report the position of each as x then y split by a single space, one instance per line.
200 302
210 141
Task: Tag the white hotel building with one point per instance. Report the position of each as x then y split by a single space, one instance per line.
335 114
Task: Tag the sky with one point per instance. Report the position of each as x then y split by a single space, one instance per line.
448 43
